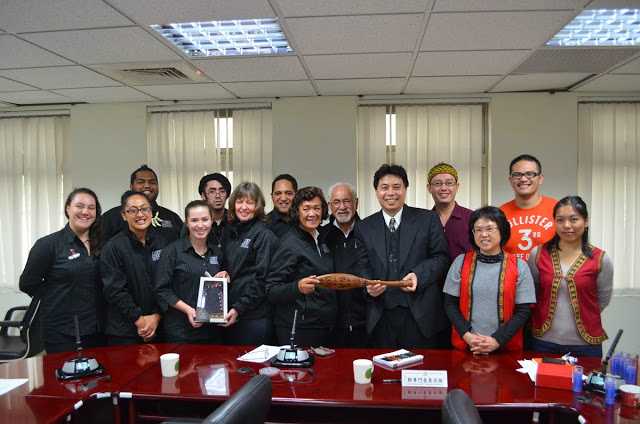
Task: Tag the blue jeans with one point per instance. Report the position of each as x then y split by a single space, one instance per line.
538 345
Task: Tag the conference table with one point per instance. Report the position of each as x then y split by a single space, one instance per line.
133 389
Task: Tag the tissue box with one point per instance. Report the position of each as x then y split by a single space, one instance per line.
557 376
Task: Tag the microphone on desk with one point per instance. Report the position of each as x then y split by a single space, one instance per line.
595 380
80 366
293 356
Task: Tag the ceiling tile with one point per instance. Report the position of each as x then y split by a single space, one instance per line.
632 67
614 4
271 89
360 86
625 83
424 85
354 34
359 65
16 53
105 45
104 95
485 5
253 68
168 11
492 31
8 85
59 77
352 7
593 60
551 81
186 91
32 97
32 15
490 62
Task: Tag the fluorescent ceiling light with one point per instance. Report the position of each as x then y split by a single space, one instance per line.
600 27
227 38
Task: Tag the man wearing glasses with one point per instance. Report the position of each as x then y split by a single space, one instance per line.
443 186
350 329
530 214
215 189
144 180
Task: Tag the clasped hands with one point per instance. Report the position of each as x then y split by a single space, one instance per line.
376 290
479 344
147 325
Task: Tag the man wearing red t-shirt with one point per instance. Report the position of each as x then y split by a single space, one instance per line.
530 214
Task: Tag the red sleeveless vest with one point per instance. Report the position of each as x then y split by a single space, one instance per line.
506 297
583 294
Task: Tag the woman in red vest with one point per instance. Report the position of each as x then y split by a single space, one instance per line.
488 292
574 281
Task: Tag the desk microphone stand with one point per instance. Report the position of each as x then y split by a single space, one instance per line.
293 356
80 366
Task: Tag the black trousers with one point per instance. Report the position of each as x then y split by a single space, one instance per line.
68 343
305 337
249 332
398 329
349 337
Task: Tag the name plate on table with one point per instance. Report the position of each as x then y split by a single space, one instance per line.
424 378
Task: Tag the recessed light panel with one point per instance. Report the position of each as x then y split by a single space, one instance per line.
600 27
227 38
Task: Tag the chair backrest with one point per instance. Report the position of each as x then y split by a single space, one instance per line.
249 405
31 331
458 408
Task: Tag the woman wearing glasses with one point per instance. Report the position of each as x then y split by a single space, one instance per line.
177 281
574 281
127 265
62 270
488 292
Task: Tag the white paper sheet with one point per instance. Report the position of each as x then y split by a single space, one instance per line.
530 367
8 384
260 354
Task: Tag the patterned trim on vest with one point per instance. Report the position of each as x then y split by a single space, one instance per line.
503 272
472 274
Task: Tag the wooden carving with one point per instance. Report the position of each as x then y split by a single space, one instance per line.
341 281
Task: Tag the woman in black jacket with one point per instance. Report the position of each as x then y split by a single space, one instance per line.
177 280
127 265
301 257
248 246
62 269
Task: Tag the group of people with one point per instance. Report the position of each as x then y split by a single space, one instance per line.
522 275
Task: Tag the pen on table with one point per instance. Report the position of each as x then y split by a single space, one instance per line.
391 380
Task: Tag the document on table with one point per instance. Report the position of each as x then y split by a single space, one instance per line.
8 384
260 354
530 367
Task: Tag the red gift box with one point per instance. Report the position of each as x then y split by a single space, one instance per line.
556 376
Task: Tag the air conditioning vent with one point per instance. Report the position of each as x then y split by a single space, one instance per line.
159 73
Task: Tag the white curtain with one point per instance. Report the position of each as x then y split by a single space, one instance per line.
31 183
184 146
370 155
609 179
252 157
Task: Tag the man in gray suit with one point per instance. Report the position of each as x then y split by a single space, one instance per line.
404 243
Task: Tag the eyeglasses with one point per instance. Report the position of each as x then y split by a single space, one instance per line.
485 230
529 175
136 211
337 202
448 183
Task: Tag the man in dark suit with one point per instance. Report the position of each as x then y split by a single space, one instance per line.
404 243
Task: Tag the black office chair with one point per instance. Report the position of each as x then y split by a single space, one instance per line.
29 342
249 405
458 408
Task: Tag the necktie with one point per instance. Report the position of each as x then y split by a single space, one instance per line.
392 225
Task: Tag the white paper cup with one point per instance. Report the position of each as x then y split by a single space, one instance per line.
362 370
170 364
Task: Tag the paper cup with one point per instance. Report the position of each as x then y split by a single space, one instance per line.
630 395
170 364
362 370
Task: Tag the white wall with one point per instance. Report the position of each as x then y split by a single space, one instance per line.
314 139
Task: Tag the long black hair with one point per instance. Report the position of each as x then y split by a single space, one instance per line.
95 230
580 207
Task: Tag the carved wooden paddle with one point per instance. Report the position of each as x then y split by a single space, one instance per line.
341 281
